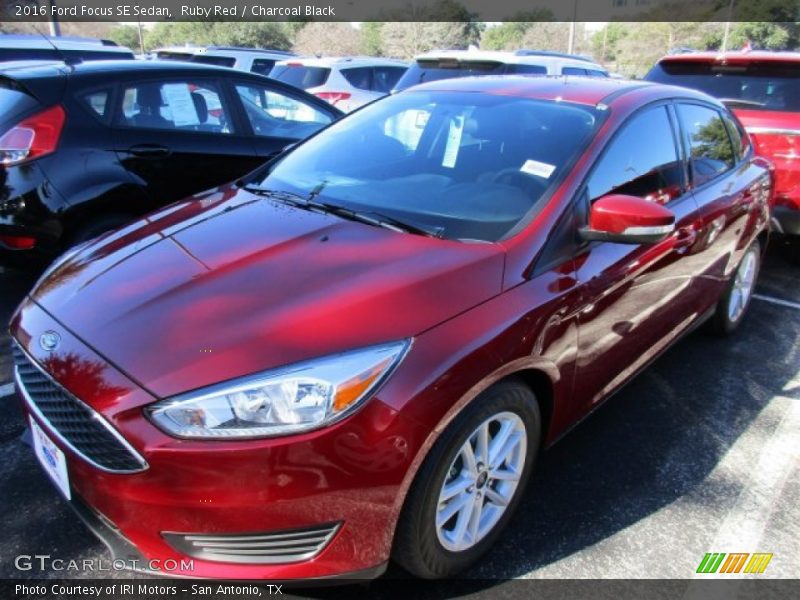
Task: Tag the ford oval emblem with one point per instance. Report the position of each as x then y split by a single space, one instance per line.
49 340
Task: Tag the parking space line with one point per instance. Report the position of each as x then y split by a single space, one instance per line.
778 301
763 478
6 389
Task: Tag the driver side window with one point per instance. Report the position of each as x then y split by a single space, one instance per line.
633 164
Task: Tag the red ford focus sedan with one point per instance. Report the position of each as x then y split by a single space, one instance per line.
356 353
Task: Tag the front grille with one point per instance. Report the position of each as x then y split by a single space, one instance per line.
288 545
76 424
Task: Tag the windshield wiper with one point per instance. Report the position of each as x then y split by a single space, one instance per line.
370 218
377 219
281 196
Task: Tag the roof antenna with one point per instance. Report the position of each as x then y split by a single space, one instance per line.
66 59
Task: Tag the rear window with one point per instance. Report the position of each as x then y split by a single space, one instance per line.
423 71
13 102
208 59
170 55
756 86
300 76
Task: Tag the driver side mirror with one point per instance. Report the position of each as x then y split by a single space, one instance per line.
628 220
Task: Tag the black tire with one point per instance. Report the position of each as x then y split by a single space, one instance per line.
417 547
723 323
95 228
793 248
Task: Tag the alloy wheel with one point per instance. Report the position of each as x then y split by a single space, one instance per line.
481 481
743 284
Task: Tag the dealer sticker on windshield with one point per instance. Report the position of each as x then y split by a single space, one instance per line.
540 169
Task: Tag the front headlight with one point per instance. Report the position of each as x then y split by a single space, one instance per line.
288 400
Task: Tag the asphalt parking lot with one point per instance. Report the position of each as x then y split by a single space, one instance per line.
699 454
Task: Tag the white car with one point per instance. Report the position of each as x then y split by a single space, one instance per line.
252 60
347 83
447 64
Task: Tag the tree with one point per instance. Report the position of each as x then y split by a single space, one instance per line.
406 40
763 35
508 35
247 34
329 38
371 42
126 35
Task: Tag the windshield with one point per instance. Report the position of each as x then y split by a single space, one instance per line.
434 70
755 86
470 165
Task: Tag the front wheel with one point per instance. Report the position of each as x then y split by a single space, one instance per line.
732 305
470 484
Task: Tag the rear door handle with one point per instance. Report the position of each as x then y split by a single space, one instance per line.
149 150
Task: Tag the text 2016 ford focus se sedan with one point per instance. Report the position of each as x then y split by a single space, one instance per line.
356 354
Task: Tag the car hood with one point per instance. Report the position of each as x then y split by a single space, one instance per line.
232 284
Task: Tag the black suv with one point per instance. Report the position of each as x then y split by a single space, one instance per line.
86 148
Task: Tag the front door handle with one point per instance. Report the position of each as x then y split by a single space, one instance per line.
149 150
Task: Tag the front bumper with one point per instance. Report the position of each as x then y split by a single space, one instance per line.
350 474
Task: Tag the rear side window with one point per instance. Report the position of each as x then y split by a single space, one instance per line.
300 76
176 105
220 61
641 160
710 148
385 78
572 71
359 77
262 66
754 86
97 101
739 138
526 69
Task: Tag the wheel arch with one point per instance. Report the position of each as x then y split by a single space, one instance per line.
539 376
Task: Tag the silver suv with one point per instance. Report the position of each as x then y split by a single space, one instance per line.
252 60
347 83
448 64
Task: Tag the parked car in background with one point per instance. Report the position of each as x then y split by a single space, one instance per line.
763 90
88 147
357 352
252 60
347 83
448 64
19 47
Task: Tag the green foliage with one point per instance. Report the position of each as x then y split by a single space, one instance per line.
371 43
762 35
509 35
248 34
126 35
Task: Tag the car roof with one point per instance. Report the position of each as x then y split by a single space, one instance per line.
30 71
341 61
590 91
522 57
24 42
223 51
734 57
